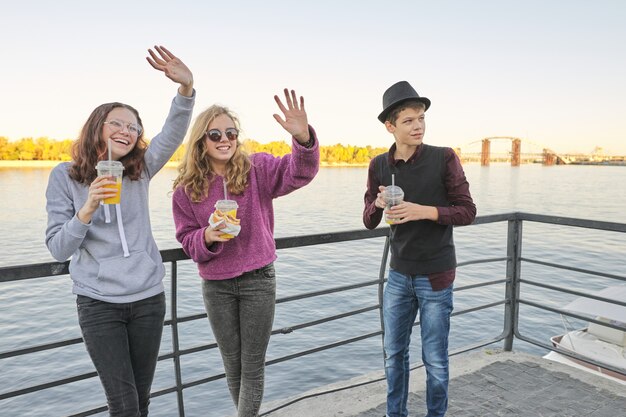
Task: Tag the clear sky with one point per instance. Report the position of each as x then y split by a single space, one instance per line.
549 71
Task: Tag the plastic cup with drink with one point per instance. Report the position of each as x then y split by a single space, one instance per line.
393 195
226 213
225 216
114 170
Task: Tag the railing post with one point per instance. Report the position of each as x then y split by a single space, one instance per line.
175 344
513 273
381 282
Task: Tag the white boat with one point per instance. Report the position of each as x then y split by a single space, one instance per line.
597 342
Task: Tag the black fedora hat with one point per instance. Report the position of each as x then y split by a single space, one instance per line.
398 93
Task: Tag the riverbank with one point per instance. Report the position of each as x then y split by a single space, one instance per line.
52 164
29 164
48 164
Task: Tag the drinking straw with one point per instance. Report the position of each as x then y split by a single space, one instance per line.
393 180
109 147
225 193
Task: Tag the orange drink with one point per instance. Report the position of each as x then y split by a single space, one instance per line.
118 188
114 170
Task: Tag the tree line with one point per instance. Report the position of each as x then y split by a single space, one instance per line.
45 149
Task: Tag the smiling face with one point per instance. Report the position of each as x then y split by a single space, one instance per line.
220 152
123 139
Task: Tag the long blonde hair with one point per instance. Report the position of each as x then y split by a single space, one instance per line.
195 172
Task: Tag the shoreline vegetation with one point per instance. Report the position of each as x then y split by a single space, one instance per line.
45 152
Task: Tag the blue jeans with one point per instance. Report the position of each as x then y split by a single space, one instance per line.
241 313
403 297
123 342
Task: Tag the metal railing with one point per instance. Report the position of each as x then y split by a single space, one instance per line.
511 301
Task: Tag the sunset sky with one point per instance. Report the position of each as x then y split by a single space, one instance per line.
552 72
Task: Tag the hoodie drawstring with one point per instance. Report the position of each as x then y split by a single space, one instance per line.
120 226
107 213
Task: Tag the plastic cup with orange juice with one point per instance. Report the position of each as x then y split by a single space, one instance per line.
113 169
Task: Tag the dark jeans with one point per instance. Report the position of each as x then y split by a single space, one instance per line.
241 313
123 341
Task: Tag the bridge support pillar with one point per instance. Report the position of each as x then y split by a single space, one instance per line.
484 154
549 157
516 146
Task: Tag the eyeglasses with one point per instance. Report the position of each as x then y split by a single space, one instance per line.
215 135
118 126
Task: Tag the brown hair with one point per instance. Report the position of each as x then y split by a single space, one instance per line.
195 172
393 114
90 147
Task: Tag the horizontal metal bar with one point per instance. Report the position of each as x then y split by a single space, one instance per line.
480 284
570 221
572 268
572 314
39 348
51 384
40 270
478 308
290 329
585 294
48 269
325 238
482 261
495 218
328 291
324 347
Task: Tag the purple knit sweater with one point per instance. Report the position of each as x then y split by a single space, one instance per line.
254 247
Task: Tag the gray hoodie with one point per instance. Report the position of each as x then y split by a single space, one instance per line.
114 258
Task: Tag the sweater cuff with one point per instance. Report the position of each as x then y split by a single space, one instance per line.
185 101
210 252
77 228
312 139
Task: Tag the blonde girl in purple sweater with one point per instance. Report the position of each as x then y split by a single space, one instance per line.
238 277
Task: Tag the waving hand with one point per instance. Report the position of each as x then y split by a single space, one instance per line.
295 121
173 68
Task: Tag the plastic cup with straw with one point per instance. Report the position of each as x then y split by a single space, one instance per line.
393 195
115 170
227 207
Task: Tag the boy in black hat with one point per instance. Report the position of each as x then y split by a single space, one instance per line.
423 261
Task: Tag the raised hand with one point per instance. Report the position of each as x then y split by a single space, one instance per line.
173 68
295 121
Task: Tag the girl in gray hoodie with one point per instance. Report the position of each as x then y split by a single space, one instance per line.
115 264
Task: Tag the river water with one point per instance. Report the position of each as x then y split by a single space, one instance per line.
43 310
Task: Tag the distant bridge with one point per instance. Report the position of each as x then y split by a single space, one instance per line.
546 156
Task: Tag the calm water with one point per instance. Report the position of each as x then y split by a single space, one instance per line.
43 310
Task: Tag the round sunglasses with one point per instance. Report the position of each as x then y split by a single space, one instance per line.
215 135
